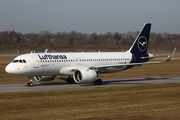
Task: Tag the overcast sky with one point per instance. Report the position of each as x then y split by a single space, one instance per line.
88 16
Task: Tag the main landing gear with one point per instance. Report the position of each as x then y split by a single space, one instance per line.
98 82
70 80
30 83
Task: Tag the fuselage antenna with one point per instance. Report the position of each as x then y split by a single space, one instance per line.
46 50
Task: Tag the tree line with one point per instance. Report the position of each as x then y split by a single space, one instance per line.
74 41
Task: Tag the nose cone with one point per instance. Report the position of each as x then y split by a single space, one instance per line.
9 69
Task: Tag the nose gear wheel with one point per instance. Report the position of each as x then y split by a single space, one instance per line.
30 83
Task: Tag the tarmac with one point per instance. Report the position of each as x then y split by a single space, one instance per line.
62 85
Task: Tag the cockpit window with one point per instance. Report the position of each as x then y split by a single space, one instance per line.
15 61
24 61
19 61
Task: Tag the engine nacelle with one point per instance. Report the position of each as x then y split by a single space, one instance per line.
84 75
44 78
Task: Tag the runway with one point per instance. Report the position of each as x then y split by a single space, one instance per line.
21 87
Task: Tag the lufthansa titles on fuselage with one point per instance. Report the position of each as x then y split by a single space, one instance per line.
49 56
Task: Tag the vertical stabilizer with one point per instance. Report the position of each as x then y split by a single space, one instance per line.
140 45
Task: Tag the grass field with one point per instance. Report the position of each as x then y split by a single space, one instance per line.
144 102
147 102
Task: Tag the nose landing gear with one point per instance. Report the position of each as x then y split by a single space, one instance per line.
30 83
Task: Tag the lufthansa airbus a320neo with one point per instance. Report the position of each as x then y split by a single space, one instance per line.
83 67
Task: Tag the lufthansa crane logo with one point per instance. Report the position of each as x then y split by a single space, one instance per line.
142 43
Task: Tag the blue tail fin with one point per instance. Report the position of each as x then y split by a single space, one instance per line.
140 45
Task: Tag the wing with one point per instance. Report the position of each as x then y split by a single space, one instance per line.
137 64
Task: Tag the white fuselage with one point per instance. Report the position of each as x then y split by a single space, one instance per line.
33 64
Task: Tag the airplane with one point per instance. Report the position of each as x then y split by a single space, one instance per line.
83 67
